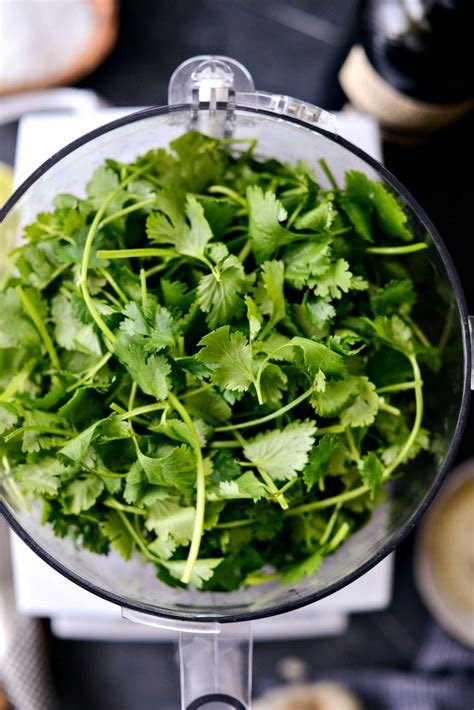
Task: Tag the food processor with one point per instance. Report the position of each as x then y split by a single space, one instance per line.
216 95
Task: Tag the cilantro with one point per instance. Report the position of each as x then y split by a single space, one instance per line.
220 294
319 460
371 471
377 200
232 356
149 372
118 535
281 453
81 495
319 219
175 468
188 399
394 297
265 216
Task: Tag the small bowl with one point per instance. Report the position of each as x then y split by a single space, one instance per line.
444 555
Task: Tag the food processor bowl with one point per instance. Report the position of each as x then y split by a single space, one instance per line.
216 96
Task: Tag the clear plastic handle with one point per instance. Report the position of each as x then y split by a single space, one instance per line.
215 661
213 80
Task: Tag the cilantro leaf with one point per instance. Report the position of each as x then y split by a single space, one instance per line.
164 549
118 534
365 406
202 571
265 230
150 373
81 494
176 468
307 568
43 476
17 330
319 460
232 356
334 281
245 486
272 385
318 219
332 400
170 227
221 298
273 301
371 471
394 332
393 297
306 260
209 405
317 356
109 429
389 214
169 519
254 317
282 452
8 418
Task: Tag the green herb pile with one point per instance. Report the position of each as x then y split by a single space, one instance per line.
210 360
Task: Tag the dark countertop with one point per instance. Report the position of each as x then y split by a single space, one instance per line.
154 39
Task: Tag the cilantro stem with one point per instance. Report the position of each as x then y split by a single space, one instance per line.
132 395
138 538
228 192
407 249
339 537
87 255
402 387
113 300
143 410
155 269
268 417
330 525
16 382
112 503
30 308
388 408
334 429
263 364
445 332
288 485
272 488
328 173
343 230
245 251
235 524
352 447
41 430
109 278
294 215
200 489
143 287
293 192
225 445
126 211
107 474
204 388
417 421
257 578
90 374
418 331
144 253
328 502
